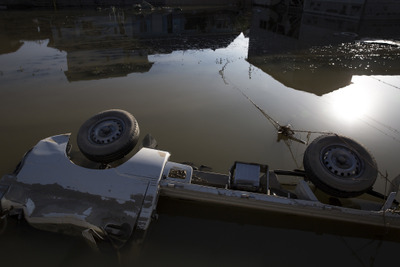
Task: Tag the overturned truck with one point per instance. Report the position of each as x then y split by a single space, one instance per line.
117 204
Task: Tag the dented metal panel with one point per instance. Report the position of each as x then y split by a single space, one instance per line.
54 193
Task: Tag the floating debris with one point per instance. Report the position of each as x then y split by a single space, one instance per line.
288 132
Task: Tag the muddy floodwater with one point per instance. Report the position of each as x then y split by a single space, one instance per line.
197 80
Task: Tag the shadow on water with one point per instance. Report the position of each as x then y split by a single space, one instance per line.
186 65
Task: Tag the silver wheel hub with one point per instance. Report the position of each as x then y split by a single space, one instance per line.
341 161
106 131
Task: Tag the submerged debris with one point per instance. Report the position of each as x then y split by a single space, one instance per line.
288 132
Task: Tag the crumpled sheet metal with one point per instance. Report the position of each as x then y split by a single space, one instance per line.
57 195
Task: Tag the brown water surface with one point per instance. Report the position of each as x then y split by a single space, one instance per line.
187 76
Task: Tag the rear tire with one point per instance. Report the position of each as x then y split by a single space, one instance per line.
339 166
108 136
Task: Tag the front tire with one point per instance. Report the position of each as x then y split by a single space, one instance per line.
108 135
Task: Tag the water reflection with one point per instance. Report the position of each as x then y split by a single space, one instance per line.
319 54
234 49
115 43
353 102
304 51
181 73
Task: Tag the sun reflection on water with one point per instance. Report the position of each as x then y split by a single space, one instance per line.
351 102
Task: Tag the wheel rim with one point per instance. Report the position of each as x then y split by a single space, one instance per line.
341 161
106 131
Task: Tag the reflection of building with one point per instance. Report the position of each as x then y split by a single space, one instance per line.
97 45
119 3
105 63
300 49
166 32
356 9
317 53
238 3
343 8
18 26
117 43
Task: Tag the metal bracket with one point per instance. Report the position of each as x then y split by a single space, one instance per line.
304 191
389 201
3 190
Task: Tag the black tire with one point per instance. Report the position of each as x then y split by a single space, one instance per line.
108 136
339 166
